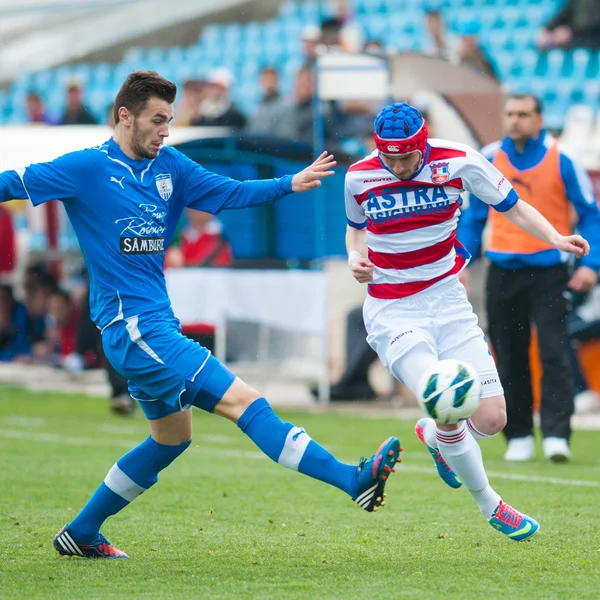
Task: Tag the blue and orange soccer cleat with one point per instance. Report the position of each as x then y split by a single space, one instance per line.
443 468
512 523
373 473
100 548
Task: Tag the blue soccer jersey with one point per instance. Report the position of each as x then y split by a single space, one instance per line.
124 213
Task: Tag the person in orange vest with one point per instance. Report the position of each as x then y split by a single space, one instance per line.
528 279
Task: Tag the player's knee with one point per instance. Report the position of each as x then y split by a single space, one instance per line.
236 400
491 415
496 422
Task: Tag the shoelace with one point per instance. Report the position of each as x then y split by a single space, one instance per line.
440 459
361 463
507 514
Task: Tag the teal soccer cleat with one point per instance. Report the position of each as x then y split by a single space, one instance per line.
373 473
512 523
443 468
100 548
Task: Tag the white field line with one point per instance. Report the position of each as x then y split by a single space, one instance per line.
81 441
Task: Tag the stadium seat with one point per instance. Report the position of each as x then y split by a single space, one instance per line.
591 91
580 60
555 59
506 64
527 62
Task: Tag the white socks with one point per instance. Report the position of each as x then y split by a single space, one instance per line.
430 430
462 453
478 435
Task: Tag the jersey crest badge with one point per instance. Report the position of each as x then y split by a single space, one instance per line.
439 172
164 184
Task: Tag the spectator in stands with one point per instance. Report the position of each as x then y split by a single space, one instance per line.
61 329
297 122
76 112
311 38
201 243
292 118
35 110
39 284
218 109
470 54
191 98
342 30
577 25
527 279
261 121
14 342
437 42
7 243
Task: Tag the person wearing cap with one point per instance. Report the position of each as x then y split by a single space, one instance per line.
76 113
217 109
402 206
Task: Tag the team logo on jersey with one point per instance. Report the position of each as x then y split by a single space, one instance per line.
439 172
164 184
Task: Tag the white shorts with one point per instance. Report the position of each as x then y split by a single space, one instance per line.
442 318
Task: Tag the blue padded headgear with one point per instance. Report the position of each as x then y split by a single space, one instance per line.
400 128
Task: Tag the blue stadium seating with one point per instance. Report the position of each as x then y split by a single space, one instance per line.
507 30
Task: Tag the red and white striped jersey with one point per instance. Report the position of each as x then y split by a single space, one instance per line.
411 225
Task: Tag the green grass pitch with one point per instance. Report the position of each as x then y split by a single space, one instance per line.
225 522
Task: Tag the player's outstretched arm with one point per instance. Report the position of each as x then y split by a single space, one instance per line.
310 178
212 193
529 219
11 187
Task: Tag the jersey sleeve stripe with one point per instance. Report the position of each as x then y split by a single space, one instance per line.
357 225
21 173
507 203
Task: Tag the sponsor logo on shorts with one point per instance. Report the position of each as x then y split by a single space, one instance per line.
489 381
399 336
142 245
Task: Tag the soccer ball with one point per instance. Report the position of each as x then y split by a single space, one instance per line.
449 391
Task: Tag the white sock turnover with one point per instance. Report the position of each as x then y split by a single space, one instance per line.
462 453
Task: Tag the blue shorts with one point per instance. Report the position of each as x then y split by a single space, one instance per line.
166 371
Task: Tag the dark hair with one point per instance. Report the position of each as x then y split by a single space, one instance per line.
269 69
537 103
63 295
139 87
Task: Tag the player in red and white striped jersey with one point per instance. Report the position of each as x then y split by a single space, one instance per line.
402 206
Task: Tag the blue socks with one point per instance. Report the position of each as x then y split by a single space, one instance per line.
291 447
132 475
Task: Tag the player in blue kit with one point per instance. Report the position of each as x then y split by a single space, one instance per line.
124 199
